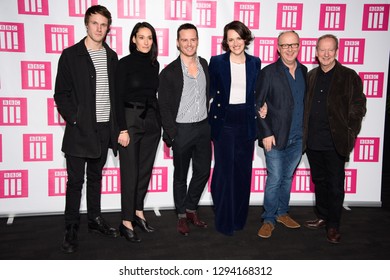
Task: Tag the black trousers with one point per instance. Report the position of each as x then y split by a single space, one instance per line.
76 170
137 159
328 175
192 142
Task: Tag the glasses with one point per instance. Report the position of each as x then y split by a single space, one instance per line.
286 46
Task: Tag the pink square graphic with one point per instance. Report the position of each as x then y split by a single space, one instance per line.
13 183
57 179
332 17
158 180
33 7
111 181
375 17
206 14
163 41
372 84
37 147
168 153
350 180
266 48
289 16
248 13
13 111
77 8
259 177
53 117
307 53
36 75
58 37
302 181
216 45
12 35
132 9
114 39
351 51
178 10
366 149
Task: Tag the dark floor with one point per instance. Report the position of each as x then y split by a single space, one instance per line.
365 236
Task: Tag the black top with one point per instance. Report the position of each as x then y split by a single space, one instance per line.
136 81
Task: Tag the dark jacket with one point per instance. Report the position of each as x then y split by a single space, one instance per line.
346 107
220 83
274 89
75 97
169 95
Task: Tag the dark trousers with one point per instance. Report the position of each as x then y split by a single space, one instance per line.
137 159
231 179
328 175
76 171
192 142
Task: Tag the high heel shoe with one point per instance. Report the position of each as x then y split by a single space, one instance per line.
129 234
143 224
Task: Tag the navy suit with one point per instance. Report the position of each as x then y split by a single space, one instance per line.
233 131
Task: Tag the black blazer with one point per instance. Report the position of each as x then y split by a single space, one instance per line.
169 95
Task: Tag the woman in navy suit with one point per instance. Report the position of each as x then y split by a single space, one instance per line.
232 117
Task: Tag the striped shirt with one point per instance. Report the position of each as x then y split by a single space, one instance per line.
193 106
99 59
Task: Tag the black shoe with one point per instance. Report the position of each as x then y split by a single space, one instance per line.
143 224
99 225
70 243
129 234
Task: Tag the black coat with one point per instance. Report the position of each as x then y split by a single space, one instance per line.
75 97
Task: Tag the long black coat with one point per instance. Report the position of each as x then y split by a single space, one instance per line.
75 97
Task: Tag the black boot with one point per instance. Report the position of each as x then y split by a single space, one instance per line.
70 243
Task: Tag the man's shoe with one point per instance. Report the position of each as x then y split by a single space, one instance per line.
70 243
287 221
266 230
315 224
194 219
99 225
182 226
333 235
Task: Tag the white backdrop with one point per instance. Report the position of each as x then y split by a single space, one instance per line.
34 32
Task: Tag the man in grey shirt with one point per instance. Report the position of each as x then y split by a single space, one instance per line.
183 98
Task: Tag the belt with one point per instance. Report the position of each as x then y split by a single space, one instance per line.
134 106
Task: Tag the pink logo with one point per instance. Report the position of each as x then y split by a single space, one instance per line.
33 7
13 183
37 147
350 180
206 14
77 8
266 48
168 153
13 111
289 16
216 45
375 17
209 180
159 180
131 9
36 75
308 51
351 51
58 37
53 117
163 41
114 39
372 84
111 181
12 37
332 16
57 181
259 177
302 181
366 149
248 13
178 10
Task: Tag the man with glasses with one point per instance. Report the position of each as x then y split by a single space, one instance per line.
282 87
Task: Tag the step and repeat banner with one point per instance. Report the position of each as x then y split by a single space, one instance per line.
33 34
